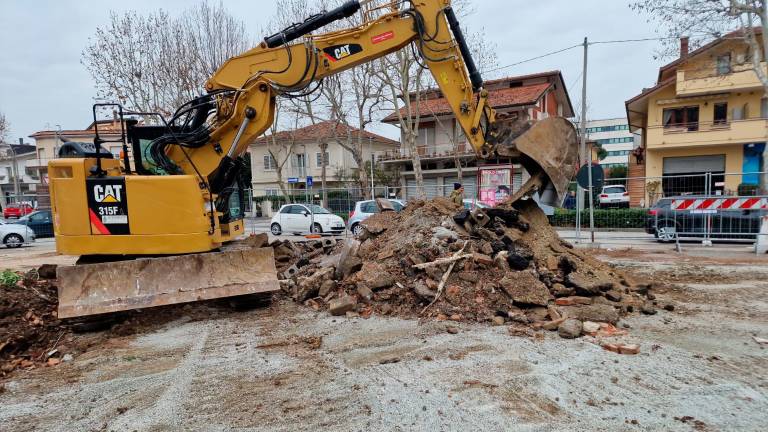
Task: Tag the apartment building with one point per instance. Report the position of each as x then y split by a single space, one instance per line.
300 154
18 177
442 146
614 137
707 113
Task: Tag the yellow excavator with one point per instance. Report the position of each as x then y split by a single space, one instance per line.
151 233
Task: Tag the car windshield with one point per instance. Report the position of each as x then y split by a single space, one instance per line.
614 189
316 209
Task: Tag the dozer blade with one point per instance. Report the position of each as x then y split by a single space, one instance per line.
549 151
91 289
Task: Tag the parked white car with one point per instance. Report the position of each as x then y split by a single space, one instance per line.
614 196
15 235
302 218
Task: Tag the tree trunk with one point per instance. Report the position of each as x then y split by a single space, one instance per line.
323 149
456 156
410 139
362 175
283 190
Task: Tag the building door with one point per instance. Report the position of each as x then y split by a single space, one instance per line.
430 189
687 175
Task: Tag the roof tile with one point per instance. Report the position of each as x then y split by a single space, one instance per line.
524 95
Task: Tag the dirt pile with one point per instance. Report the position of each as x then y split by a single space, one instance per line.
29 327
436 260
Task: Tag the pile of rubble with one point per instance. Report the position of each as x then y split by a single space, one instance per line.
29 328
437 260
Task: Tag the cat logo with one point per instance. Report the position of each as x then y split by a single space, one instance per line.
107 193
340 52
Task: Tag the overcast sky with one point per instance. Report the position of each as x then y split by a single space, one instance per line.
43 84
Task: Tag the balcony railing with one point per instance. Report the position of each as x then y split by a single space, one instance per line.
742 77
429 152
708 133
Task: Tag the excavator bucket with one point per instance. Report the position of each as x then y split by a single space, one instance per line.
549 151
91 289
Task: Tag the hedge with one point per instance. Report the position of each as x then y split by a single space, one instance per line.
604 218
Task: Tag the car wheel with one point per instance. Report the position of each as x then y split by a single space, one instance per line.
316 229
13 241
666 233
275 229
357 229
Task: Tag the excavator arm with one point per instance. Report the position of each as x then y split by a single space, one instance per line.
255 78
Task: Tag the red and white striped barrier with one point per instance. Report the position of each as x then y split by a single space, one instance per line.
735 203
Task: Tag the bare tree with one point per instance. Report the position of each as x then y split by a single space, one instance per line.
155 62
280 146
404 77
5 128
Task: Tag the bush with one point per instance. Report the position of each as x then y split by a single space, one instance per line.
9 278
604 218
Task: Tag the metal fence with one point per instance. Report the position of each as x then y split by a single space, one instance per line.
635 216
734 218
342 201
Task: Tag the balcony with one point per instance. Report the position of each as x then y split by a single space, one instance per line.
743 78
708 133
444 151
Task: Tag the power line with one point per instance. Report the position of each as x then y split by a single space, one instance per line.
581 45
533 58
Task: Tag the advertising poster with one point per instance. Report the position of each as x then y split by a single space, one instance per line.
495 185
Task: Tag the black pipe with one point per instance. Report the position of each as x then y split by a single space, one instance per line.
311 24
474 74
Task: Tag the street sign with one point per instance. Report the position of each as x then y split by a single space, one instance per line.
310 181
293 179
582 177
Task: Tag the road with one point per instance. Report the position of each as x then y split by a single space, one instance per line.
44 250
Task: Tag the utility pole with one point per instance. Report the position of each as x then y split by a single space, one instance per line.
585 153
14 161
584 139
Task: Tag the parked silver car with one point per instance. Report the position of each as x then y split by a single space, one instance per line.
364 209
14 235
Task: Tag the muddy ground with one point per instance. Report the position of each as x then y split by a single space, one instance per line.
287 367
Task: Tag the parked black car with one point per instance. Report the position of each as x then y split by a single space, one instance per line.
666 224
40 222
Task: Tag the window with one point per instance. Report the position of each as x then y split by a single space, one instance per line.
299 160
115 150
615 140
681 118
764 108
269 163
294 209
271 192
724 64
319 159
721 114
369 207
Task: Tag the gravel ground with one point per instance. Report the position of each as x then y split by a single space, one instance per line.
288 368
